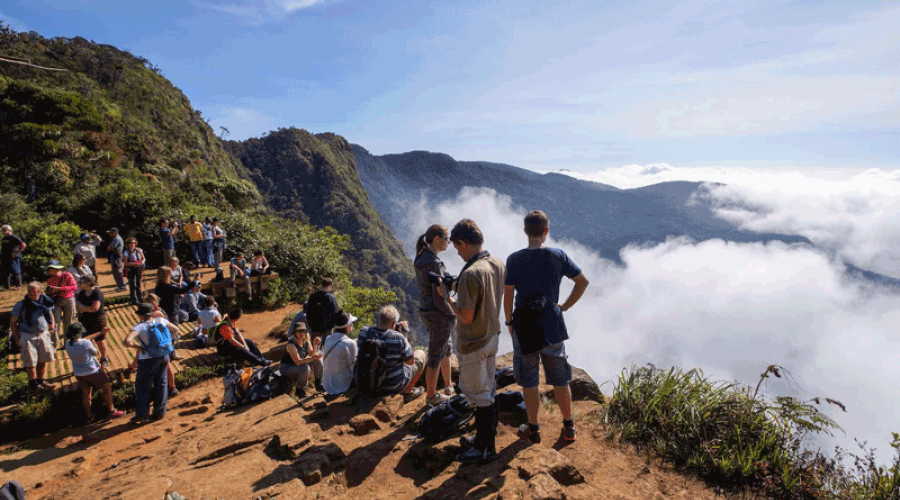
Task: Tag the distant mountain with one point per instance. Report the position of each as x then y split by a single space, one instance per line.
599 216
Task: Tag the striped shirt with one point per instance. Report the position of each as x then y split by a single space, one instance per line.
398 349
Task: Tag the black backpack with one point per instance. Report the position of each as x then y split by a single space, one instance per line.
445 419
319 312
370 365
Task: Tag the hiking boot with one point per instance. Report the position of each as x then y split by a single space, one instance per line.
467 442
568 433
528 434
173 392
475 456
138 420
319 387
413 394
437 399
104 362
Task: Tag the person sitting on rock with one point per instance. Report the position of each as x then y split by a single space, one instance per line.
231 344
210 316
87 371
340 356
300 358
240 269
403 366
192 302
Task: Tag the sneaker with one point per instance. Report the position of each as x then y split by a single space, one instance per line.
449 391
437 399
475 456
467 442
413 394
138 420
45 386
569 433
527 434
104 361
116 414
156 417
319 387
173 392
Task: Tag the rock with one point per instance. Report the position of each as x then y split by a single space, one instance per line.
207 400
364 424
386 410
315 462
582 385
544 487
199 410
538 460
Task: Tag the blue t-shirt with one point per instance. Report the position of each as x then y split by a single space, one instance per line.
541 270
165 236
82 353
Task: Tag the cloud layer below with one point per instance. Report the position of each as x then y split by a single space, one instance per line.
730 309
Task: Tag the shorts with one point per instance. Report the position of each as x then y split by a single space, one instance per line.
97 379
94 326
557 371
439 329
36 348
410 371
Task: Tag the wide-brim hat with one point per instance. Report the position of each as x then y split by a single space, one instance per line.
54 264
76 329
144 309
346 319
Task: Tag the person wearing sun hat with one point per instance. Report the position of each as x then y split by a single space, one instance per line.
300 358
87 371
340 355
61 287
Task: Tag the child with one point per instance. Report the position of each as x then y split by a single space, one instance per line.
87 371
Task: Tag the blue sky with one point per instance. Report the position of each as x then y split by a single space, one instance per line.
542 85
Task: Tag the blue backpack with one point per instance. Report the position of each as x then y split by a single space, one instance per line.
160 341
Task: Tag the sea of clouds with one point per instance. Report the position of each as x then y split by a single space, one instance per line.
732 309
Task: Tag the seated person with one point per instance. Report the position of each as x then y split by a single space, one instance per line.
300 358
87 370
210 316
340 356
240 269
192 302
404 366
179 276
259 265
231 344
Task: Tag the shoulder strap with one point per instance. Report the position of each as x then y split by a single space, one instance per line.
330 349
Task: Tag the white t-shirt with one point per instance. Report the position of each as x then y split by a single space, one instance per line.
143 330
338 365
207 318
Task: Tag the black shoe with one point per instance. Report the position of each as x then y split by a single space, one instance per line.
476 456
525 432
319 387
467 442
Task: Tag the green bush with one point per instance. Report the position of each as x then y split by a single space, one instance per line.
364 302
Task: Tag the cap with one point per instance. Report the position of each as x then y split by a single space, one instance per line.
54 264
85 236
345 319
144 309
113 230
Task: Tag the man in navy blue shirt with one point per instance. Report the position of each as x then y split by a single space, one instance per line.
533 276
166 240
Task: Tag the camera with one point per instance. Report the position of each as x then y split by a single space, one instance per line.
436 279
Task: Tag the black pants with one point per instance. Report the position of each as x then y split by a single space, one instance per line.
135 275
251 354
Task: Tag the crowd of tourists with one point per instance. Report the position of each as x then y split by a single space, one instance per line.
320 353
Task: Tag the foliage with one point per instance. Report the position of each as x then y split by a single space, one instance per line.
727 433
364 302
13 385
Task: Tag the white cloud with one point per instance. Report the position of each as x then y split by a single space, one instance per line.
854 213
256 12
730 309
13 23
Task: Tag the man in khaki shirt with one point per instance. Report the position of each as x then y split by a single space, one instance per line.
477 306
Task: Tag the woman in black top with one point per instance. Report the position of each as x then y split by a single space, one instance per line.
91 313
434 310
300 357
169 299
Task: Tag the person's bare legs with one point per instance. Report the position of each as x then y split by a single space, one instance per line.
445 372
532 403
563 396
431 378
86 403
107 395
101 346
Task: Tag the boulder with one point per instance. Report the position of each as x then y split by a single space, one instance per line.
364 424
538 460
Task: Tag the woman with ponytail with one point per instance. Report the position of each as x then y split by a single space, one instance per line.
434 311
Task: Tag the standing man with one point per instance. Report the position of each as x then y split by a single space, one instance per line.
218 243
477 308
88 249
62 287
11 257
208 259
320 309
195 232
167 241
114 254
533 276
30 323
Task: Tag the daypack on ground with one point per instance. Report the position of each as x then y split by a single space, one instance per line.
160 340
445 419
370 365
247 385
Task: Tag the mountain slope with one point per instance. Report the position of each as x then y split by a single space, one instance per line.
314 178
599 216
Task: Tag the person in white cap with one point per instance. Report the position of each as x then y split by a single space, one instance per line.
340 356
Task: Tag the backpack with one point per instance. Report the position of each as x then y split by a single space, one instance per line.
213 332
319 312
247 385
160 340
370 367
445 419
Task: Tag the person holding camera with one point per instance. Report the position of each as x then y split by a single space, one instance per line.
167 240
477 306
536 324
434 310
134 269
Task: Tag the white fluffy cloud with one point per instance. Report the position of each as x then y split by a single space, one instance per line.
730 309
853 213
